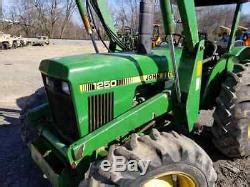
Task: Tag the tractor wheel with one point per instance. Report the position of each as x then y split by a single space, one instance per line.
28 133
5 45
14 45
231 129
173 159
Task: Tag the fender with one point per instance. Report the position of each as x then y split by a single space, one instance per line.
224 65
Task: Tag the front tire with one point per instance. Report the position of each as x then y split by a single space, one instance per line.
232 115
173 159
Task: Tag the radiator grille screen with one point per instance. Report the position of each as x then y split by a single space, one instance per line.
62 110
100 110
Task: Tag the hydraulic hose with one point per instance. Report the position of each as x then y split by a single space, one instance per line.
169 26
86 22
90 13
110 32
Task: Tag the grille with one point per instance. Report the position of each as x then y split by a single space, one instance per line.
100 110
63 111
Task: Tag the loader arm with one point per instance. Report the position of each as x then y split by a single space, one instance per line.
189 71
104 15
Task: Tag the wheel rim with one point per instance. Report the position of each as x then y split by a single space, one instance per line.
172 179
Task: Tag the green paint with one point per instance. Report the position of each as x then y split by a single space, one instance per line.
82 69
235 26
127 122
103 6
190 28
215 76
190 84
82 8
169 23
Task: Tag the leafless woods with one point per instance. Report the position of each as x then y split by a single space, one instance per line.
59 18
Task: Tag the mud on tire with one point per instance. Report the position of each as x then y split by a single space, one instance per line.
28 133
166 152
232 114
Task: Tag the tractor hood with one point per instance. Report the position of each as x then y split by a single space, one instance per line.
111 66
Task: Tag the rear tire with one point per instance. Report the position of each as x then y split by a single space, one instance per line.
170 154
232 115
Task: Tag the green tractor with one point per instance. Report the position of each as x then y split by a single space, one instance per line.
128 37
123 118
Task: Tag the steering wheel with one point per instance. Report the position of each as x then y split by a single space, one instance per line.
178 40
211 51
211 48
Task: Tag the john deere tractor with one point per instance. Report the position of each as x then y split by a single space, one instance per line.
140 106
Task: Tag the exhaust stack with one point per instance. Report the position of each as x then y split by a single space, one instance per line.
146 21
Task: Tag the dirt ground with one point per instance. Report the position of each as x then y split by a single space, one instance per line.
20 78
231 172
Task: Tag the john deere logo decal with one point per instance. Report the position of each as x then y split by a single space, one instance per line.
125 81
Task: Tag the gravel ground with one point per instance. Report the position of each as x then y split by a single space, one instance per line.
231 172
19 67
20 78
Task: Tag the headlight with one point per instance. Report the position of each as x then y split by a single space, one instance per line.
49 82
65 88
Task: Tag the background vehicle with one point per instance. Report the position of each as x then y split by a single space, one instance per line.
246 38
41 41
141 104
23 41
128 37
242 37
156 40
6 40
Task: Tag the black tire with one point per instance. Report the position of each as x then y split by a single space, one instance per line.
14 45
232 114
6 45
167 152
28 133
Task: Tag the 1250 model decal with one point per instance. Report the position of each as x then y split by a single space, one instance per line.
125 81
105 84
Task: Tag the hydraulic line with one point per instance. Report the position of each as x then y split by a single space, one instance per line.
169 26
86 22
91 16
177 80
112 36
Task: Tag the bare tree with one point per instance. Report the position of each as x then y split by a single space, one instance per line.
211 18
55 18
121 16
134 12
42 22
54 14
69 10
